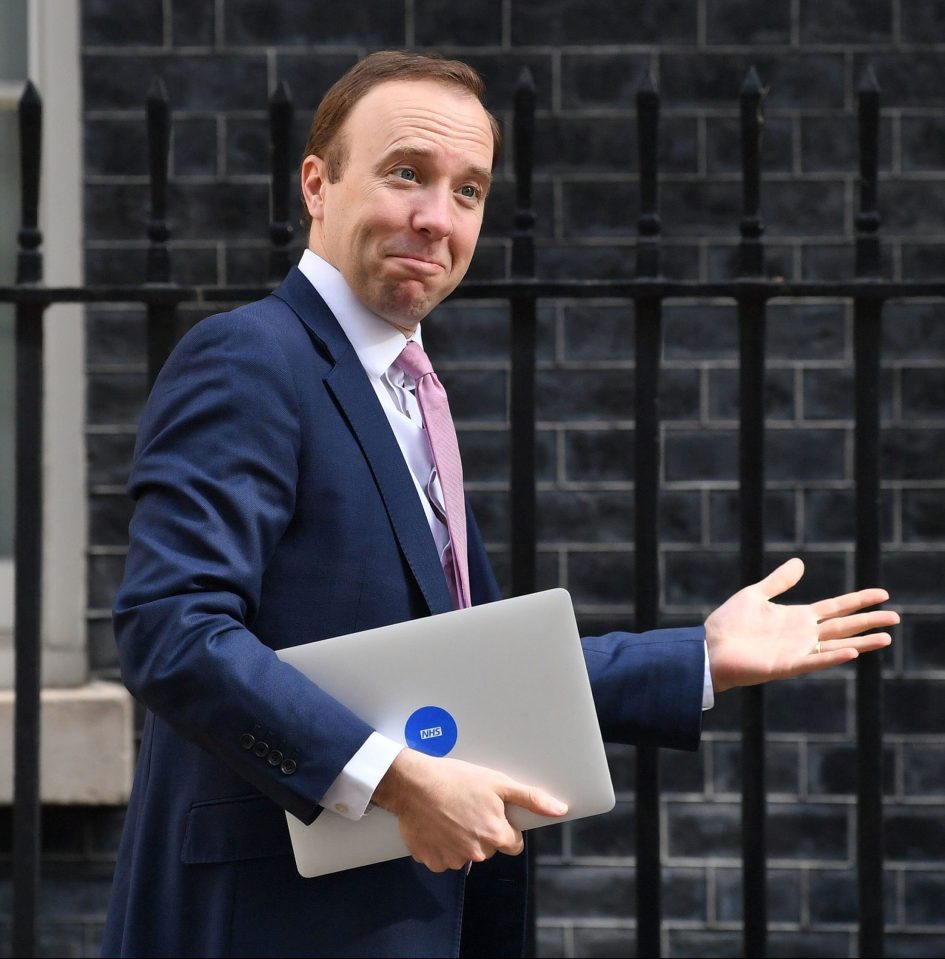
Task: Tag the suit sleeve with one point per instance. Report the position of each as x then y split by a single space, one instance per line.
648 686
214 479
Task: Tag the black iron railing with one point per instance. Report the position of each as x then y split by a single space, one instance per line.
751 291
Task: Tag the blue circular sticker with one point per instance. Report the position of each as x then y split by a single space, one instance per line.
431 730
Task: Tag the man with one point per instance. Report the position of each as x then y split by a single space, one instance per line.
286 492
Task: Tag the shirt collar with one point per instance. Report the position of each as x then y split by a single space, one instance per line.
376 342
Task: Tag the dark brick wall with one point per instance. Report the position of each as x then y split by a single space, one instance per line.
220 59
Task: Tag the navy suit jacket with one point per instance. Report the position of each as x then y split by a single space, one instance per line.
274 508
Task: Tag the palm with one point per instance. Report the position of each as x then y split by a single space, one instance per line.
752 639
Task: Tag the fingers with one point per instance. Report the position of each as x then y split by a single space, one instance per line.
782 579
856 644
845 626
848 603
534 799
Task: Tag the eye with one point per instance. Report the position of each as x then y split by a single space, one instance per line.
470 191
405 173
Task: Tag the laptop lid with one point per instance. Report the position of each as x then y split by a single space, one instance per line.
502 685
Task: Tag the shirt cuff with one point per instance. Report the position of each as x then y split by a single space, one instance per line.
350 794
708 693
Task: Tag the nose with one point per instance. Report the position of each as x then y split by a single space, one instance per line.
432 214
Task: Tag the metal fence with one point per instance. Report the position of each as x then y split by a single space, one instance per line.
647 290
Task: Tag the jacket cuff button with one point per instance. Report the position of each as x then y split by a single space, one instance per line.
289 767
247 740
274 758
261 749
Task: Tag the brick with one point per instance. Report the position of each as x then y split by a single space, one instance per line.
697 829
723 261
913 834
468 332
812 944
115 147
680 516
913 454
724 146
585 892
741 21
924 892
700 454
913 330
811 208
682 771
211 81
141 24
500 211
296 23
794 79
915 577
308 75
600 578
805 454
923 21
601 79
598 331
194 147
911 707
248 263
115 263
232 210
923 519
922 261
725 516
115 335
502 74
592 941
567 516
834 898
549 840
912 80
808 831
477 395
923 393
699 577
109 515
609 261
686 894
116 398
193 24
845 21
576 395
831 768
708 943
592 455
799 331
921 642
830 144
600 209
807 706
549 940
104 575
829 394
564 22
440 23
109 457
707 332
247 146
830 515
779 395
783 891
781 767
116 211
911 207
103 652
680 394
611 834
701 207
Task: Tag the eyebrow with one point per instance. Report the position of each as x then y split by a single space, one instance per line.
410 151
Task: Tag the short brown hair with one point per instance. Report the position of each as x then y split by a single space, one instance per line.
324 135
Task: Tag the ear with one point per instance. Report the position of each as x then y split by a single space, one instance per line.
314 181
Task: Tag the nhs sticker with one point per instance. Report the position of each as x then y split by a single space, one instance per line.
430 730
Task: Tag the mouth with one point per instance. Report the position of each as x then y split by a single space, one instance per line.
414 263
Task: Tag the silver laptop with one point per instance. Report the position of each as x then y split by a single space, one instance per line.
502 685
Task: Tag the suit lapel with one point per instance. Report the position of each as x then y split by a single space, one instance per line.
349 385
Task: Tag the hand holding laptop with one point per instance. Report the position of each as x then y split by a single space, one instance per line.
452 812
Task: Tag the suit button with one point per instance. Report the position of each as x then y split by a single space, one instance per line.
261 749
274 758
289 767
247 740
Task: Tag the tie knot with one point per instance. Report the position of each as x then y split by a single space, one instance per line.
413 361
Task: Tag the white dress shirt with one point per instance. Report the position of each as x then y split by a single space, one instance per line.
378 344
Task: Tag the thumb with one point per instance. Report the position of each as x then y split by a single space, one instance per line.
780 580
534 799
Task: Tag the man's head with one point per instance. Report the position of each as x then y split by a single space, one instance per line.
396 169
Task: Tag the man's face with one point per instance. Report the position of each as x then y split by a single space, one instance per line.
401 224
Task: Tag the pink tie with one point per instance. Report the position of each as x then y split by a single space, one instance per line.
438 423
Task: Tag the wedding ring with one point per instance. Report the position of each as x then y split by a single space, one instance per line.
817 647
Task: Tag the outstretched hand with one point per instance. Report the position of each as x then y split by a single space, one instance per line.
752 640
